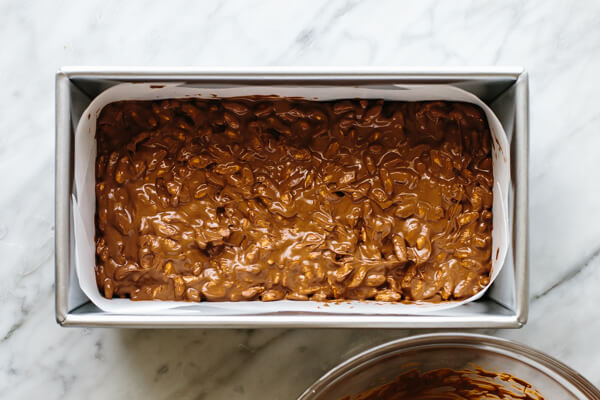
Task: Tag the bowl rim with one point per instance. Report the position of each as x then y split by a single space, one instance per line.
565 374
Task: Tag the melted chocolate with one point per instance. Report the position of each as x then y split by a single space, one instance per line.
274 198
448 384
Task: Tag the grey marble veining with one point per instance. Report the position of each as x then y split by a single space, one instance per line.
558 43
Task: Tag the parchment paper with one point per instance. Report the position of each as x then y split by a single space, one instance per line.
84 200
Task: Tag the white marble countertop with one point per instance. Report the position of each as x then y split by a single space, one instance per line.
559 44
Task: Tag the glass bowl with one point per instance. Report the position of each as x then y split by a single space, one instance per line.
382 364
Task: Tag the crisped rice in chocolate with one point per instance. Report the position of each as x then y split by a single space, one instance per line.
272 198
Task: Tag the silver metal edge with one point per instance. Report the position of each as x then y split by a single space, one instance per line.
287 321
61 192
254 74
458 338
521 225
291 73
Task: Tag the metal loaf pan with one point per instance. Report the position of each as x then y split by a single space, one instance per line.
504 89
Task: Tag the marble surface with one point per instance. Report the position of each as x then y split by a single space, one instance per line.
558 43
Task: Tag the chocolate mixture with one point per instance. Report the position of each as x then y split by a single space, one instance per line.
272 198
448 384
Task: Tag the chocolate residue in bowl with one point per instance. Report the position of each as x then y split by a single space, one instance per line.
449 384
